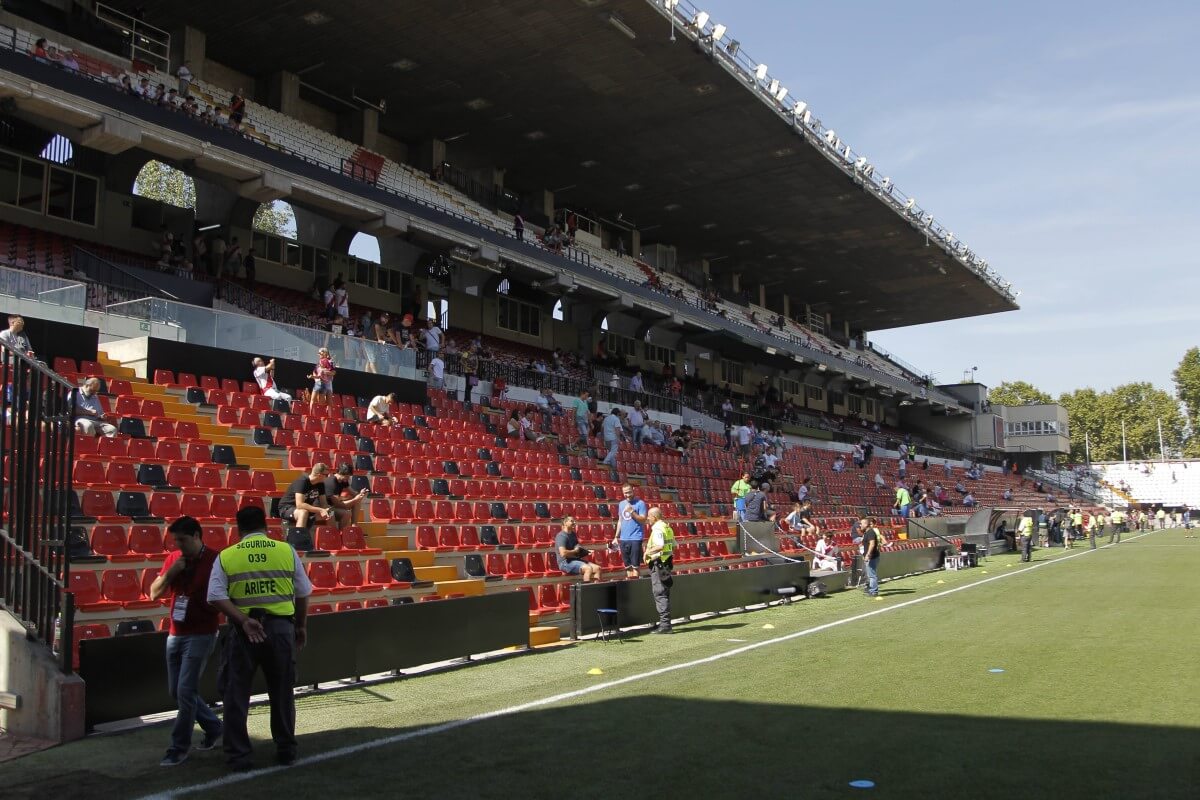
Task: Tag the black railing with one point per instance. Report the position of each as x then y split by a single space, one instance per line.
104 271
35 516
261 307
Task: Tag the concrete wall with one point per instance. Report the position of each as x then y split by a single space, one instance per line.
40 701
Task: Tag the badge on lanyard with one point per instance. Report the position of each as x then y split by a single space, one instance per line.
179 608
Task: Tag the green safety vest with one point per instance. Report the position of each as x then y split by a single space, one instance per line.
668 544
261 574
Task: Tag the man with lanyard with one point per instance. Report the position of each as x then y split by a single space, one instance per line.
1025 530
870 551
185 575
631 517
740 488
637 423
659 557
261 587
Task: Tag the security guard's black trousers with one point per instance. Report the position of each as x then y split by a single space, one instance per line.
240 660
660 586
1027 547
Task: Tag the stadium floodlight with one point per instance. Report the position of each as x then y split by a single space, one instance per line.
773 86
670 4
733 47
861 163
846 154
910 204
718 32
830 136
799 109
760 71
700 20
886 185
782 93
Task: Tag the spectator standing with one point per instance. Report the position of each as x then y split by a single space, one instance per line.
237 110
432 336
637 423
437 371
268 620
630 531
322 376
636 384
758 508
744 437
342 507
740 488
571 556
14 336
1025 531
90 419
184 74
660 550
870 550
218 255
233 258
903 500
264 375
582 413
611 432
184 579
469 363
519 226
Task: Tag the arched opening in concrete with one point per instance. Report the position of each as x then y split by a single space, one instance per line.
158 181
276 218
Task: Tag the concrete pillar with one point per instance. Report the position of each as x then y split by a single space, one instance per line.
762 295
635 244
787 307
736 279
283 93
705 267
548 203
188 44
360 126
429 154
489 176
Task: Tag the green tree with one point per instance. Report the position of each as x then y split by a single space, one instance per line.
163 183
1187 387
276 218
1096 419
1017 393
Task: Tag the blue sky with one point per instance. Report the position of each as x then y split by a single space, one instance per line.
1056 139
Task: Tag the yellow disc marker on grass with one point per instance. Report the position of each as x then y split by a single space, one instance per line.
768 627
595 671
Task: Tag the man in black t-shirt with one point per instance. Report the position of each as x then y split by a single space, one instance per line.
571 556
870 551
304 499
343 507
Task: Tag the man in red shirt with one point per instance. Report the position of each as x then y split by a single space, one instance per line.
184 577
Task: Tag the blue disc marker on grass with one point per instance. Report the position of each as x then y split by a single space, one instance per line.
863 784
995 669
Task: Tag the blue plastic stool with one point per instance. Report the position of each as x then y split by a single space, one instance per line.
608 624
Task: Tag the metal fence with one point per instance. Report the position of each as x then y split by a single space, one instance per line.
35 516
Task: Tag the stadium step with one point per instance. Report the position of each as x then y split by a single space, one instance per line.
112 367
543 634
388 541
436 574
419 558
470 587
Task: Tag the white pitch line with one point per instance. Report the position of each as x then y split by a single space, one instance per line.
348 750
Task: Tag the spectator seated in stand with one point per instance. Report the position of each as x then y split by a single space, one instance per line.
304 499
264 375
826 554
653 434
571 556
758 507
968 500
90 419
839 464
960 487
379 411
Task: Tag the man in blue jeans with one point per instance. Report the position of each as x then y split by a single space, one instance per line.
870 550
631 530
612 431
185 575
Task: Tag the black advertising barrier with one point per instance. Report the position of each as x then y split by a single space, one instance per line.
696 593
897 563
126 676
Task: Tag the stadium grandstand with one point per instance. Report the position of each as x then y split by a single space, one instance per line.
537 272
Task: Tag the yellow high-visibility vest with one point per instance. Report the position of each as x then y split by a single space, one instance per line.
261 574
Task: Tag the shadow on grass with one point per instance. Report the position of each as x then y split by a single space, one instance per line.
693 748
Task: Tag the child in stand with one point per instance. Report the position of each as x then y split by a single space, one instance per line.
322 377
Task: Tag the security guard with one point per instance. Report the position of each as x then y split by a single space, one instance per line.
1118 524
1097 527
659 551
261 586
1077 523
1025 530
